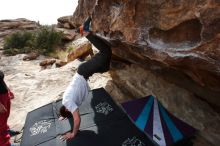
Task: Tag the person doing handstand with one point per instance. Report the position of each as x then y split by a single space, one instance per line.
78 88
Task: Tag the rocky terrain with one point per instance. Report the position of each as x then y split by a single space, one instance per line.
169 49
177 41
8 27
34 86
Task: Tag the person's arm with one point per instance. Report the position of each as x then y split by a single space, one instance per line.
77 120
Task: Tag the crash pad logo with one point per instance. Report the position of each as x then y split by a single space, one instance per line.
104 108
133 142
40 127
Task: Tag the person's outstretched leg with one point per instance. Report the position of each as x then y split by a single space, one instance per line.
100 62
86 24
84 27
99 43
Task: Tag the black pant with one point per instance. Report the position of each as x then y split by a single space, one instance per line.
100 62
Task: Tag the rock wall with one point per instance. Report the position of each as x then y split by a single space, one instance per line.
177 39
132 81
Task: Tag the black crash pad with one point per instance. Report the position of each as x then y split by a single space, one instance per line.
103 123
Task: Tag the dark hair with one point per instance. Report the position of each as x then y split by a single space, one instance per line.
1 75
3 86
64 112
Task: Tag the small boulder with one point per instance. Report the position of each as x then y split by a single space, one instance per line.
31 56
80 52
47 62
60 63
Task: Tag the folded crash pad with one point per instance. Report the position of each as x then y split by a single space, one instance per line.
153 118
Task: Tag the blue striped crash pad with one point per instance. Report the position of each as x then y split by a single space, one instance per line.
164 128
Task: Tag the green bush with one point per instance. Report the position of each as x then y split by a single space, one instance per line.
47 39
44 41
17 42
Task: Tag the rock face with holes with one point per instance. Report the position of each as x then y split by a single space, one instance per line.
174 39
177 39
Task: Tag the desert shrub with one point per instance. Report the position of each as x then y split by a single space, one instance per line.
19 42
47 39
44 41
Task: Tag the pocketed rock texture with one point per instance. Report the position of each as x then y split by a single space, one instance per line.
177 39
8 27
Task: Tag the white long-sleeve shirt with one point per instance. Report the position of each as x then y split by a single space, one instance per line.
75 93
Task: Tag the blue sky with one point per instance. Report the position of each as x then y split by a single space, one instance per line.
44 11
